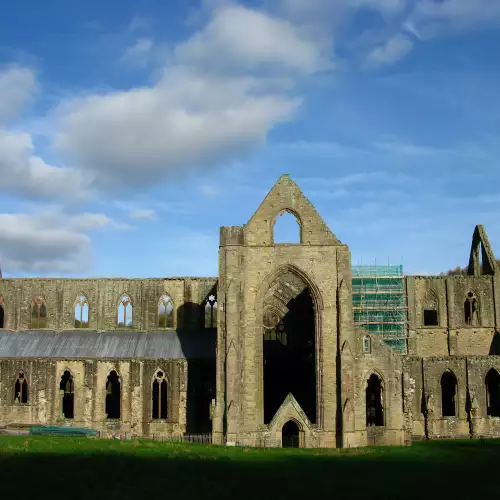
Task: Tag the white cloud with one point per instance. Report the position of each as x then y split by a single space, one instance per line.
238 37
17 86
143 214
391 51
139 53
186 121
25 173
430 18
208 190
49 241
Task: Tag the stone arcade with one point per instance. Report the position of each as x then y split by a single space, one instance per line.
267 354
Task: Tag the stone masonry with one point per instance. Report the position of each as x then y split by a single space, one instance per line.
269 345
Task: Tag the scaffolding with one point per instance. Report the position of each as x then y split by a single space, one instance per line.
379 303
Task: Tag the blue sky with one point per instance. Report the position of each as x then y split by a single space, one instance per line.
131 131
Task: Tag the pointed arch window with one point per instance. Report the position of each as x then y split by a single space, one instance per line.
211 312
159 396
81 312
165 312
286 228
67 395
21 389
449 394
367 345
38 312
125 312
493 393
113 396
2 312
374 402
471 310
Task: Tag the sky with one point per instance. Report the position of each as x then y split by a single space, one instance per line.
130 131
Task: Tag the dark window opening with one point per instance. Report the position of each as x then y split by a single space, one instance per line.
290 435
67 392
289 349
2 313
113 396
493 393
374 404
471 310
448 394
21 389
430 317
160 397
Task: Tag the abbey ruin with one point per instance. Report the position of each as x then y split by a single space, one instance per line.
287 346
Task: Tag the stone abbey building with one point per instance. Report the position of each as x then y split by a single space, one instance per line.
267 354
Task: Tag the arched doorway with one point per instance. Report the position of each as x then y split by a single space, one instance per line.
113 396
493 393
289 338
290 435
448 394
66 389
374 402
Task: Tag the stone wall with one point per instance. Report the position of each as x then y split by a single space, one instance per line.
89 377
188 296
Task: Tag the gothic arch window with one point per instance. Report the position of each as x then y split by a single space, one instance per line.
38 312
492 382
431 310
125 312
449 394
165 312
67 395
2 312
21 389
471 310
81 312
159 396
211 312
113 396
367 345
287 228
374 401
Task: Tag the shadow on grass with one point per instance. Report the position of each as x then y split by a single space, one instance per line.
80 469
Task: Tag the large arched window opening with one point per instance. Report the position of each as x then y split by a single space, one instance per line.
165 312
160 396
374 402
125 311
286 228
493 393
289 355
67 392
448 394
81 312
38 312
21 389
113 396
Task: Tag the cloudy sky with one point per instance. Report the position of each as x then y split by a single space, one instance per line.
131 130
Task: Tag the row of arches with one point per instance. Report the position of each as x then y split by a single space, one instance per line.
430 310
166 317
159 394
449 392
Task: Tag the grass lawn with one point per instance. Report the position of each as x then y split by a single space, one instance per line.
39 467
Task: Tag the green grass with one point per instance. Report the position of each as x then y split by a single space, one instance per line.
78 468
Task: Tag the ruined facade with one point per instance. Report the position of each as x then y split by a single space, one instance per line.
267 354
